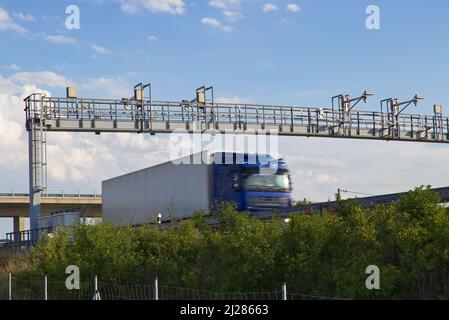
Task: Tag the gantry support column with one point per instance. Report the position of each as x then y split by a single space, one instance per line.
36 170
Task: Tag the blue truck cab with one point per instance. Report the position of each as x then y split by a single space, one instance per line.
253 182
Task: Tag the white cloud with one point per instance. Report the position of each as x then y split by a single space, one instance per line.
60 39
6 23
165 6
211 22
108 87
13 140
7 87
269 7
232 99
152 38
227 28
320 166
46 78
292 7
217 4
224 4
24 17
216 24
75 160
100 50
12 66
13 145
233 15
230 10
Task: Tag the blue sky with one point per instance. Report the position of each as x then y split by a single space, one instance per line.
275 57
300 57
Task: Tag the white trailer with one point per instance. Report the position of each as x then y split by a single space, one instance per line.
172 190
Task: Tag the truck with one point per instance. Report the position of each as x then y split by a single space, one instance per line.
178 189
67 218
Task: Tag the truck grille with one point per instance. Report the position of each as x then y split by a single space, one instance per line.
268 202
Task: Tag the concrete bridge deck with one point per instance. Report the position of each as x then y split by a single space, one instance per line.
16 204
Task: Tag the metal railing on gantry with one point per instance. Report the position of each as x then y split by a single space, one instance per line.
131 115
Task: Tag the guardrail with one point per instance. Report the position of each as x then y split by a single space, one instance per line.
52 193
23 238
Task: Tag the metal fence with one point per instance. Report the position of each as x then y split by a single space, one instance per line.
16 288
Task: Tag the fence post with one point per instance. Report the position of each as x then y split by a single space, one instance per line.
284 291
10 286
45 288
96 292
156 289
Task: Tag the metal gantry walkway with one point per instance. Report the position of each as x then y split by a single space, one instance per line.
130 115
142 114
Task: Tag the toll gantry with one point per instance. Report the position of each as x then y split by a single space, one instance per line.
142 114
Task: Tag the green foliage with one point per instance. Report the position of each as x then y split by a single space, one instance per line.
303 202
324 254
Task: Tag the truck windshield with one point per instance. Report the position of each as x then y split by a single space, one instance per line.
276 182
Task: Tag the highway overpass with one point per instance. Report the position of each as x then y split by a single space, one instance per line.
15 204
